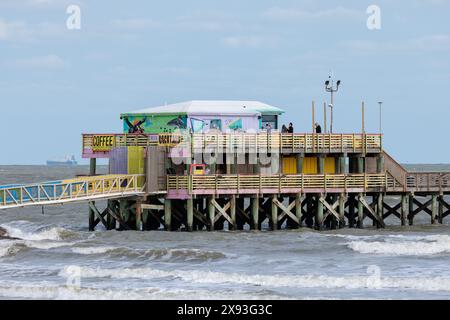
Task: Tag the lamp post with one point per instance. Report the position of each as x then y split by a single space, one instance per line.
380 103
330 87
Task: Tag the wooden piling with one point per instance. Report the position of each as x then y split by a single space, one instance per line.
255 213
274 212
441 209
110 220
233 225
298 208
434 208
319 213
190 214
380 209
341 210
211 213
138 215
168 214
411 209
405 209
360 212
91 217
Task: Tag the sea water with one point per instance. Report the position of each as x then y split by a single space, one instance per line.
57 258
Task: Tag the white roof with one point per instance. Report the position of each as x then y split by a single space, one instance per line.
211 107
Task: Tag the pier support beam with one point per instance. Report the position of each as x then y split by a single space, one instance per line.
274 213
319 213
434 208
233 225
360 210
405 209
341 210
190 214
211 214
168 214
110 220
254 202
91 216
411 209
138 215
379 210
298 208
441 209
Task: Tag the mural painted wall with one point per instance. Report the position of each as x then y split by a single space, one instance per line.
200 124
153 124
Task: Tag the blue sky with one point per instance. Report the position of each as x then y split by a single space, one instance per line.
56 83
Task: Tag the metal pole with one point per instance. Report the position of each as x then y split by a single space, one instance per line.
332 106
380 103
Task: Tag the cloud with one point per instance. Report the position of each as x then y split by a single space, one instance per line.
247 41
14 31
426 44
135 24
10 30
290 14
50 61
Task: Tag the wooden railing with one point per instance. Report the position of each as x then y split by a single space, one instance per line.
277 183
247 142
428 181
79 189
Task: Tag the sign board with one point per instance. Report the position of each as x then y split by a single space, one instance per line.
170 140
103 142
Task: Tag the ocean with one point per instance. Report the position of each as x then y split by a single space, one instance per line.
57 258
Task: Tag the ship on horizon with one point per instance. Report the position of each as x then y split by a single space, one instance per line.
69 161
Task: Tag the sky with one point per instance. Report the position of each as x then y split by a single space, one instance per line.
56 82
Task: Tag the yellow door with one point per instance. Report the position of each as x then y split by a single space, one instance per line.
330 165
310 165
289 165
136 161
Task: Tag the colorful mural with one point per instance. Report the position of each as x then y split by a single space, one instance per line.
153 124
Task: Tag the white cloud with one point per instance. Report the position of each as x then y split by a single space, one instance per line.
135 24
289 14
425 44
50 61
247 41
21 31
9 30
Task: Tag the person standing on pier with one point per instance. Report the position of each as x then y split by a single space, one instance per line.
318 128
284 129
291 128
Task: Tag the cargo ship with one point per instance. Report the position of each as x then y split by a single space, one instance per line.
67 162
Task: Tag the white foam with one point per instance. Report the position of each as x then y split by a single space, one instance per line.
93 250
7 248
48 291
54 233
364 281
413 246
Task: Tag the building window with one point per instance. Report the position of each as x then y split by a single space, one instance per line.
272 120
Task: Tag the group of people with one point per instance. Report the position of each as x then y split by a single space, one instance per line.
289 129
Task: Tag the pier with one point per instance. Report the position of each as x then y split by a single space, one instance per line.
199 179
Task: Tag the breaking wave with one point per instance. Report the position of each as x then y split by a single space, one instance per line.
55 233
412 246
297 281
164 254
153 293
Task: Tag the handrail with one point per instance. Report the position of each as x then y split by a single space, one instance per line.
251 183
276 142
70 190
